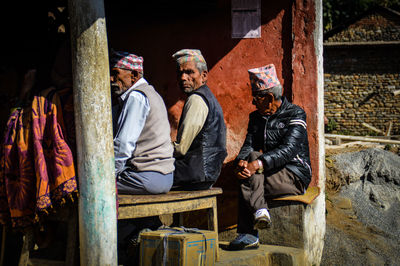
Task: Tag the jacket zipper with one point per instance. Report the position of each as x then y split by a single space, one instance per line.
265 133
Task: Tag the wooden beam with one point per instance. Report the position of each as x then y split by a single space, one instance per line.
389 130
95 150
360 138
371 127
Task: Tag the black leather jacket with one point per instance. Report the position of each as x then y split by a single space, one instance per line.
282 138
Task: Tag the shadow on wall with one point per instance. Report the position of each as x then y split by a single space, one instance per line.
157 29
30 43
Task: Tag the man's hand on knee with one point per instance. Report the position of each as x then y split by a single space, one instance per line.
242 171
246 169
242 164
253 166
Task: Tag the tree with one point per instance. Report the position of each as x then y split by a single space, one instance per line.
336 12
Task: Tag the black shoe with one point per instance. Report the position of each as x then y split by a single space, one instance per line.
244 241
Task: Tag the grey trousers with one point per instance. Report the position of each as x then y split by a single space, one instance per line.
256 190
135 183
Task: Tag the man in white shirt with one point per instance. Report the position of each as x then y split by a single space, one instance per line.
144 163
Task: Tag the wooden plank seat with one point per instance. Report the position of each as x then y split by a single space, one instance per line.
293 220
308 197
130 207
136 206
174 202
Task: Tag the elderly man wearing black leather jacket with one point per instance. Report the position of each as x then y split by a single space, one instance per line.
274 159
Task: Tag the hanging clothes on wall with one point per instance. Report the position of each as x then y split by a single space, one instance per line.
37 167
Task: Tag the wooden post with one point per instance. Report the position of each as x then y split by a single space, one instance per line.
92 103
389 130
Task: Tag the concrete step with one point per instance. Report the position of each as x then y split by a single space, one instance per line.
265 255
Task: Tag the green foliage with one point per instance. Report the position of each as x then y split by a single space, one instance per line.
345 132
373 133
331 126
336 12
388 147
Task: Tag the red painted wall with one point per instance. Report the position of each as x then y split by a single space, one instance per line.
304 67
156 33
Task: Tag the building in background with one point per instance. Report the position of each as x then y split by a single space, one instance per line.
362 75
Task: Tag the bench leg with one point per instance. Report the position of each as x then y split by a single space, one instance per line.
177 219
213 225
3 245
71 251
26 248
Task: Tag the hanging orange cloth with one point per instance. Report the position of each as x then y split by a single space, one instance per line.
37 167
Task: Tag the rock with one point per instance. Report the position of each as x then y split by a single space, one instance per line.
373 258
375 165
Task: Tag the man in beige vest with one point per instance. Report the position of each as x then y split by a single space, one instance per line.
144 162
200 146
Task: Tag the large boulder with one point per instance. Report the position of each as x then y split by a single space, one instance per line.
374 188
363 225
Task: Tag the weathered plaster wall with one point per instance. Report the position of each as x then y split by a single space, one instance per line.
304 64
155 31
286 42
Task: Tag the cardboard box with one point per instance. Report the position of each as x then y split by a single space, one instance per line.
176 247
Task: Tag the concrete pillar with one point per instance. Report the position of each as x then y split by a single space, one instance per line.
314 216
92 103
317 230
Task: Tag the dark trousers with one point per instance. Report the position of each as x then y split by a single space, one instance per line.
188 174
256 190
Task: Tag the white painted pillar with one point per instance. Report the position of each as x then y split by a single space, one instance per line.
314 219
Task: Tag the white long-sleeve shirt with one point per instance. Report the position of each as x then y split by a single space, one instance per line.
135 109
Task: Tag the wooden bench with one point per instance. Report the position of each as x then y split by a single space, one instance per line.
174 202
131 207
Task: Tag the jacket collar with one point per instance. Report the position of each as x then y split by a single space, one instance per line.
201 87
283 106
141 81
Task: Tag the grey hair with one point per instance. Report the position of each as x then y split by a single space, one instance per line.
201 66
276 92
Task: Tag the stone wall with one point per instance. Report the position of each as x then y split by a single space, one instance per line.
360 81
